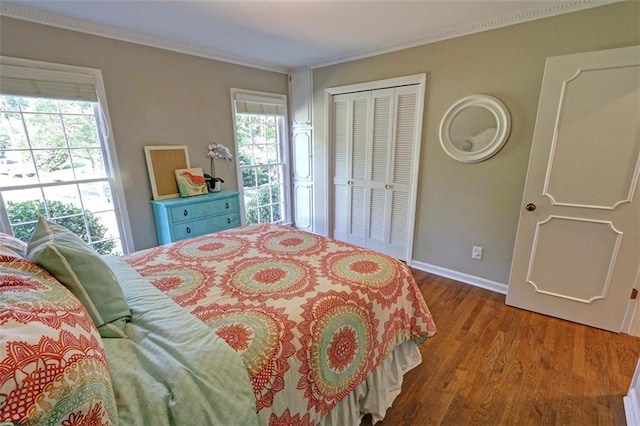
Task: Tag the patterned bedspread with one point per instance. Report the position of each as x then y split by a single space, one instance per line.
311 316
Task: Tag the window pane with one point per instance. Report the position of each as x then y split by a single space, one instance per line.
250 196
108 247
249 177
96 196
275 194
245 154
274 174
243 129
264 214
256 129
63 200
12 133
24 205
271 154
103 228
44 130
262 174
88 163
17 169
81 131
53 165
11 103
277 212
23 208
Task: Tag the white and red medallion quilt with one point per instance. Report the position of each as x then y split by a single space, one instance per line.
53 367
310 316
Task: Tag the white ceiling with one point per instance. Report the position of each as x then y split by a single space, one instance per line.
281 35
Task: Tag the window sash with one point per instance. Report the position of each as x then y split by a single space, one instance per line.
29 78
265 104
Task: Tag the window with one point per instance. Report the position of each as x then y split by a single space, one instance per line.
54 155
261 147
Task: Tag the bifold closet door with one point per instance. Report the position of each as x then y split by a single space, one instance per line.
350 136
378 214
394 121
374 146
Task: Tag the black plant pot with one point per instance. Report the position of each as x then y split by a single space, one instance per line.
214 184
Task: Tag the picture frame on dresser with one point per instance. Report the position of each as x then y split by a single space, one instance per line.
162 161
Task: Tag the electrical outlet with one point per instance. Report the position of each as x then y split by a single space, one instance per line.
476 253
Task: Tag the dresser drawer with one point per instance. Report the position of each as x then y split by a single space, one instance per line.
222 206
189 212
182 231
205 226
225 221
200 210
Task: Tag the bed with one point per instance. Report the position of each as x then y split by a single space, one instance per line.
262 324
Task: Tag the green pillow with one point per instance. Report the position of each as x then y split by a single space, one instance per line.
81 269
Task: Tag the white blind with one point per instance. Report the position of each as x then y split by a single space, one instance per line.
261 105
26 81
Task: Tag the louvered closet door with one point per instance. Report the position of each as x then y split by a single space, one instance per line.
389 222
382 113
350 126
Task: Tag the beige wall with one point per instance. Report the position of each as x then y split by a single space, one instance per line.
161 97
461 205
155 97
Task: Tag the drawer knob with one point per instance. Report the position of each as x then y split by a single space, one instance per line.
229 220
185 212
227 205
188 230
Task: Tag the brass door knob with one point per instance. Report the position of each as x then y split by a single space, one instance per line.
530 207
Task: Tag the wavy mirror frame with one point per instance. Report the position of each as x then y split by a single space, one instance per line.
503 128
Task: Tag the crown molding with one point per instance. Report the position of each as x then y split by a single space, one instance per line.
39 17
476 27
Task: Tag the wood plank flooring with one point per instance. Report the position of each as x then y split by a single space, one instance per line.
491 364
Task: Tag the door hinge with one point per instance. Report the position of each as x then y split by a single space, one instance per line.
634 294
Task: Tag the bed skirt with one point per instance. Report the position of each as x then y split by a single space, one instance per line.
376 394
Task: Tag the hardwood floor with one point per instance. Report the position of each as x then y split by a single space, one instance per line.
491 364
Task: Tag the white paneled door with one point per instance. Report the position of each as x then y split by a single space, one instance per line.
577 251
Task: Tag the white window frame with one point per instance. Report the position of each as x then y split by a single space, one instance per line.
280 101
26 68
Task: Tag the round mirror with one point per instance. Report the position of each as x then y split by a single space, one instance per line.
475 128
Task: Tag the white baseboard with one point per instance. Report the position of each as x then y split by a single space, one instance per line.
460 276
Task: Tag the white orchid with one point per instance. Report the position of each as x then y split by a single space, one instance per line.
218 151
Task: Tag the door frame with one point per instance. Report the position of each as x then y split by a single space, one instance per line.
329 92
631 322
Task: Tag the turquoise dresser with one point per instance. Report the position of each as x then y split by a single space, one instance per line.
181 218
